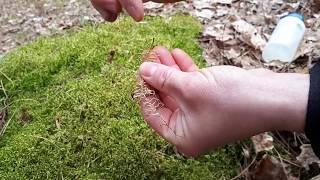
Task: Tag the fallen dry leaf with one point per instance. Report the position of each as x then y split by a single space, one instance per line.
25 116
231 54
262 142
222 11
246 62
304 49
307 156
219 32
316 178
249 34
268 168
152 5
202 4
110 56
243 27
204 13
222 1
58 121
317 4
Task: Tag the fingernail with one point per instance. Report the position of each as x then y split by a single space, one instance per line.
136 12
147 69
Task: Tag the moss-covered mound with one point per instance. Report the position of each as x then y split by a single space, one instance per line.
71 114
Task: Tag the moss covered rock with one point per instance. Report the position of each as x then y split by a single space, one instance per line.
71 114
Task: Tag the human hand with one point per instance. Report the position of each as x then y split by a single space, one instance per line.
211 107
110 9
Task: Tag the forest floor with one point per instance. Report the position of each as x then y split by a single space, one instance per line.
234 33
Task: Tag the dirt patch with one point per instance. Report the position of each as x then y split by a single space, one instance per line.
25 116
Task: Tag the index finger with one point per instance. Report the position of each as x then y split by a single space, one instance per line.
134 8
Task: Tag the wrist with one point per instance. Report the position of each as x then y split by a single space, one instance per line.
286 99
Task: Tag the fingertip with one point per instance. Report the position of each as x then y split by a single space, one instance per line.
159 48
139 17
136 11
177 50
179 53
111 17
165 57
160 51
134 8
183 60
147 69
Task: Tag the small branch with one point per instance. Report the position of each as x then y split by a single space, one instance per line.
245 170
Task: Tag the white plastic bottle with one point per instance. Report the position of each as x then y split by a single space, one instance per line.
285 39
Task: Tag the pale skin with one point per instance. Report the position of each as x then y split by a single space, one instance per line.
110 9
210 107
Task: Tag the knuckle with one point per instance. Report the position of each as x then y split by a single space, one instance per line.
190 84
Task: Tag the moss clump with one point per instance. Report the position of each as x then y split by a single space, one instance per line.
71 80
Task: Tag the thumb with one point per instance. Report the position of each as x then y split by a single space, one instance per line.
163 78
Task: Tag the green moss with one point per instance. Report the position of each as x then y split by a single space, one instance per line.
102 133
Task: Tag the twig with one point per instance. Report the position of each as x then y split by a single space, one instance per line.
46 139
18 100
7 124
6 77
286 160
282 164
284 143
4 90
246 169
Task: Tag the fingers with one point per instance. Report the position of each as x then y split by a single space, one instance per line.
109 9
163 78
184 61
177 59
134 8
165 57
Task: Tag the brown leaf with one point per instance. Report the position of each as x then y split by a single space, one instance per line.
202 4
268 168
25 116
304 49
317 4
231 54
58 121
307 156
249 34
262 142
111 56
205 13
316 178
219 32
222 1
151 5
